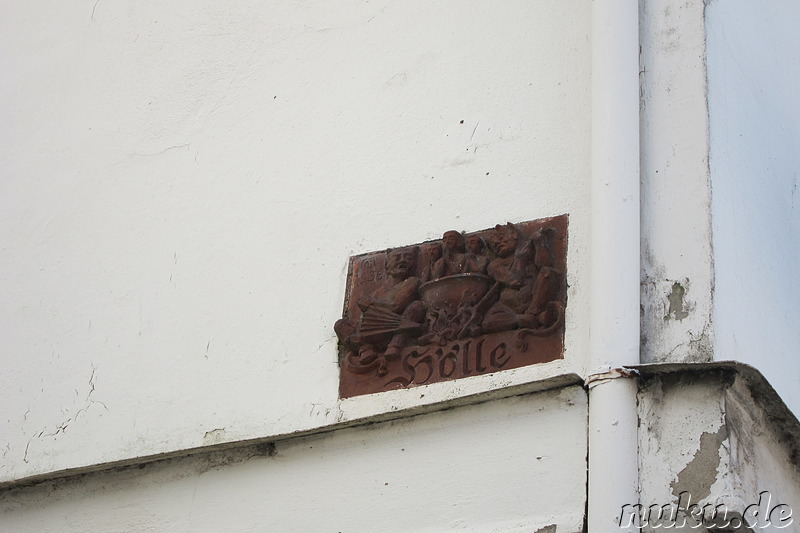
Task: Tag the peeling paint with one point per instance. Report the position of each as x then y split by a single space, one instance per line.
676 303
701 472
214 436
673 327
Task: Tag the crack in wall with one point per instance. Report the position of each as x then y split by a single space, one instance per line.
62 426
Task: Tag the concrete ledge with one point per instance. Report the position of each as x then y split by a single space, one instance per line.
262 445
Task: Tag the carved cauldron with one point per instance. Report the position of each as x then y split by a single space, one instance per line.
452 291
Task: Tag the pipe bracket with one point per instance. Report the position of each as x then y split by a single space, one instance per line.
599 378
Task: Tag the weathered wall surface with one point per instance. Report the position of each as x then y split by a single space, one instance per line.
716 438
677 263
681 441
755 131
184 183
513 465
764 449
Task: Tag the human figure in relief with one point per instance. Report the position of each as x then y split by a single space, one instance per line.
475 261
452 260
389 315
431 253
544 310
397 295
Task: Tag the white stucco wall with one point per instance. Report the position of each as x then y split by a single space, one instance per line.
184 183
753 51
513 465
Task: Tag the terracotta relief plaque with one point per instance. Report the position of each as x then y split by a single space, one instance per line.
465 305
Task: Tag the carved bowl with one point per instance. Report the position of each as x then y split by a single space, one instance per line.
455 290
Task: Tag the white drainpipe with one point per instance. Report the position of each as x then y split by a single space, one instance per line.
614 322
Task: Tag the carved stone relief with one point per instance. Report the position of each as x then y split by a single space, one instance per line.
465 305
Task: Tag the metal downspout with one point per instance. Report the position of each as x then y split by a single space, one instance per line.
614 317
